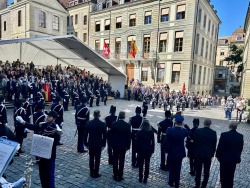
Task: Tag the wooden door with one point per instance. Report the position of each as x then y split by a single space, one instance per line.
130 72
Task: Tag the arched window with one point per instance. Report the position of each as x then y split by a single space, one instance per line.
109 4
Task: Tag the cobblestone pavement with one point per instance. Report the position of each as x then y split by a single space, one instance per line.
72 168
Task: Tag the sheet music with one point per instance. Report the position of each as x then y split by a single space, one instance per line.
8 149
42 146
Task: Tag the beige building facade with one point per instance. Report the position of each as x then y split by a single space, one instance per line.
32 18
176 41
245 84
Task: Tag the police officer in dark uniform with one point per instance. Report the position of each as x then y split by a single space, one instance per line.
39 116
162 129
105 96
41 96
27 108
3 114
17 91
97 93
109 120
49 129
75 100
135 122
66 99
34 104
58 108
190 146
81 118
53 95
91 98
20 131
144 107
25 90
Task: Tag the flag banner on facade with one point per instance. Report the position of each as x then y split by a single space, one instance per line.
133 48
183 89
106 50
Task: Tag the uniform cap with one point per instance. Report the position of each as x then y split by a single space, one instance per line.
112 109
178 118
52 114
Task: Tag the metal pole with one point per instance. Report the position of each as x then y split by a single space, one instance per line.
21 52
159 9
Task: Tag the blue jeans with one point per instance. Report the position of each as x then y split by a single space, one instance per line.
212 104
229 113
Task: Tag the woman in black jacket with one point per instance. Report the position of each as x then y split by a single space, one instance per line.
145 149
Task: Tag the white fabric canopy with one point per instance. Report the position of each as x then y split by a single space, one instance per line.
65 50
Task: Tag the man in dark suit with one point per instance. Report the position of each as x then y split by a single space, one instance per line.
121 140
174 147
229 154
204 148
95 140
10 88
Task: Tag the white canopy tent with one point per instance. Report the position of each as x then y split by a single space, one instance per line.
64 50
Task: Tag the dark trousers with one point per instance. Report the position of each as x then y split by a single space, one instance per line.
118 162
19 136
76 103
97 100
10 93
174 172
94 160
199 162
46 172
17 96
227 174
80 143
134 154
192 105
192 164
66 104
164 162
144 159
91 101
110 150
105 100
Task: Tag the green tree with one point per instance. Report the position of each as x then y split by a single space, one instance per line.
236 55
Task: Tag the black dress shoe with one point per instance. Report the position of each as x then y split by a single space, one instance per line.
97 175
92 174
115 178
84 151
59 144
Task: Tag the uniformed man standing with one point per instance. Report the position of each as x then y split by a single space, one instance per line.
27 108
190 146
58 108
3 114
105 97
109 120
183 103
17 91
65 99
53 95
97 93
129 93
174 147
20 131
75 99
144 107
171 103
178 104
135 122
49 129
25 90
162 129
81 118
91 98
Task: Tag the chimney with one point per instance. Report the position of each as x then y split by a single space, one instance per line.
3 4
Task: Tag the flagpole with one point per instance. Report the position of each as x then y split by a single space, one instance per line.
109 30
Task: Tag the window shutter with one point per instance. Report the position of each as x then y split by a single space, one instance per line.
163 36
164 11
176 67
179 34
181 8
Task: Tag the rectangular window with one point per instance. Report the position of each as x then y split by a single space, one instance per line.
19 18
210 55
197 43
146 46
178 41
164 14
176 71
221 62
163 42
194 74
118 22
97 26
206 55
199 18
212 29
208 76
209 25
107 25
144 72
132 20
72 20
222 52
181 9
205 21
148 17
56 23
84 37
118 47
204 75
42 19
67 21
199 80
202 46
97 46
161 72
4 25
76 19
85 21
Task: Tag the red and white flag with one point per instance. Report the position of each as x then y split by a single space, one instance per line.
106 50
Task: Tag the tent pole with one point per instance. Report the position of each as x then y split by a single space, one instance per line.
21 52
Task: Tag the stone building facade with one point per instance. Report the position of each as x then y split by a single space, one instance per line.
32 18
176 40
227 79
245 84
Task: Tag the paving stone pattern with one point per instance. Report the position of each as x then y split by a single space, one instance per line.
72 169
